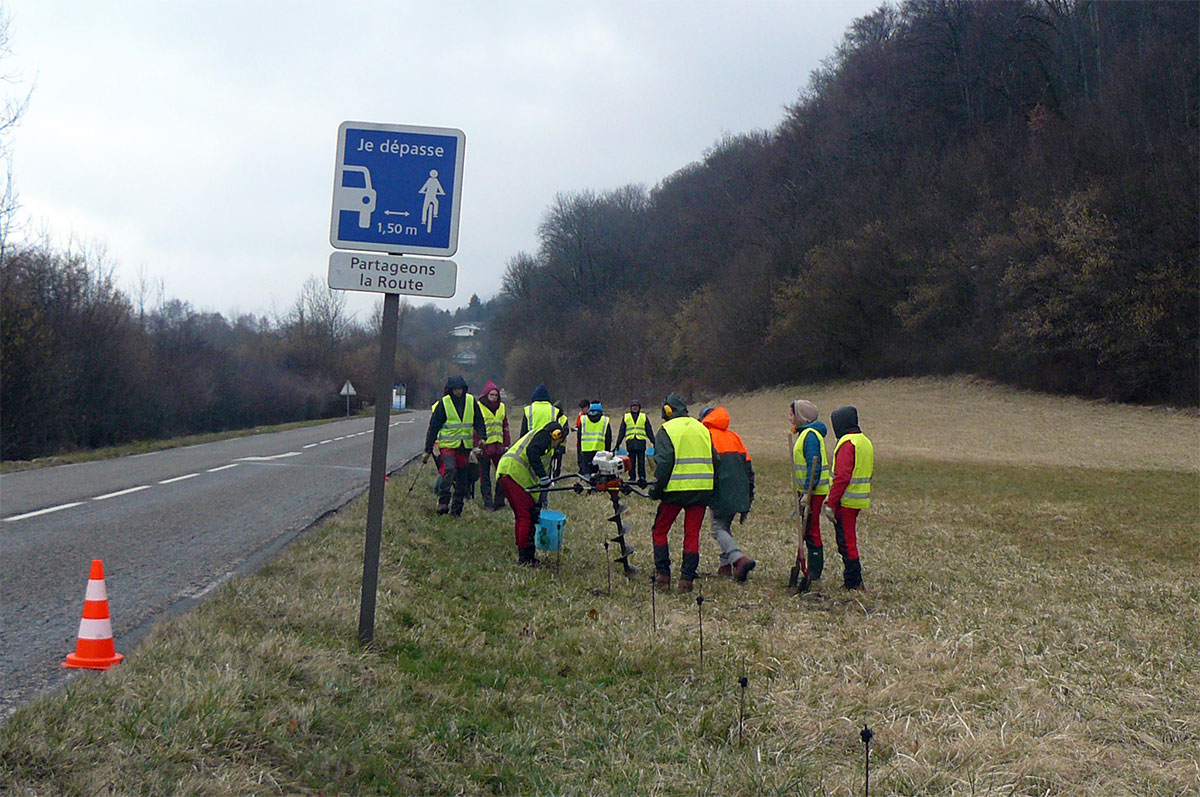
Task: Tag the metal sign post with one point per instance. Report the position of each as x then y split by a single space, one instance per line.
348 391
383 413
396 189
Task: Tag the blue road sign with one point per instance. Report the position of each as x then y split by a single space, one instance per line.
396 188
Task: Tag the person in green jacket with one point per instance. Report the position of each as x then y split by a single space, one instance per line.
734 492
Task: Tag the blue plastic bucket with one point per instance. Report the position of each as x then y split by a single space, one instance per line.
548 536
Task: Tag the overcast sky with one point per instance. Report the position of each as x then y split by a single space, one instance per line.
196 140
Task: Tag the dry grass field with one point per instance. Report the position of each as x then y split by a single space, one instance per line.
1031 626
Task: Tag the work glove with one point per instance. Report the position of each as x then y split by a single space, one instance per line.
742 518
827 510
425 457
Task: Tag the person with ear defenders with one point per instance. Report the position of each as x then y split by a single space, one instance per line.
686 468
522 470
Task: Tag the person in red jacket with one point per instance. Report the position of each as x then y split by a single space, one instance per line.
850 491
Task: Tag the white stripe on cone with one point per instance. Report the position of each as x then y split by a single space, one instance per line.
95 590
95 629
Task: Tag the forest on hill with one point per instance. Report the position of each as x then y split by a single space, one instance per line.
1005 188
997 187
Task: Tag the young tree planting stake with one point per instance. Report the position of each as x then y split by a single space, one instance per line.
700 611
866 737
607 570
653 607
742 681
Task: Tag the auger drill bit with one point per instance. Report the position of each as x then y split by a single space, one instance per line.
626 548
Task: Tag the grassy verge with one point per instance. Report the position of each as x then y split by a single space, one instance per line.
1020 635
147 446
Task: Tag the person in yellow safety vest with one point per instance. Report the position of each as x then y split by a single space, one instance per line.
850 489
539 411
595 435
454 424
523 469
495 420
686 468
809 448
635 431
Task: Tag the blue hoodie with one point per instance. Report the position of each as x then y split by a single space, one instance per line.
812 449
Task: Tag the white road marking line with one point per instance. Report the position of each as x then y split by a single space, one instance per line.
343 437
312 445
223 467
121 492
201 593
273 456
323 442
42 511
179 478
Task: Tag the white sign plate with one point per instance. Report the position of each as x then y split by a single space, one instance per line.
402 274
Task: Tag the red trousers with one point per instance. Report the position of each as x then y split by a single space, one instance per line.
848 539
813 532
523 507
693 519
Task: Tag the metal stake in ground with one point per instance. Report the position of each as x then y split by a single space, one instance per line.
742 700
866 737
700 611
653 607
607 570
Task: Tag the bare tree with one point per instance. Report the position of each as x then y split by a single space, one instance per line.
14 104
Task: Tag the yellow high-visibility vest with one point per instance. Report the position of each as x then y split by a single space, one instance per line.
693 455
591 433
494 421
456 431
515 462
635 430
801 467
858 492
538 414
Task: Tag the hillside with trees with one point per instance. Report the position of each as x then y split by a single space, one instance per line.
86 364
1004 188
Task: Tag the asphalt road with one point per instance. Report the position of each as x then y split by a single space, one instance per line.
170 527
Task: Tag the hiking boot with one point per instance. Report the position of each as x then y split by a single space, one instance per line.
531 563
443 509
742 568
725 571
816 561
526 557
663 580
685 584
487 506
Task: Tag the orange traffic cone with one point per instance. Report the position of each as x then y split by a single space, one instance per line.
94 649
